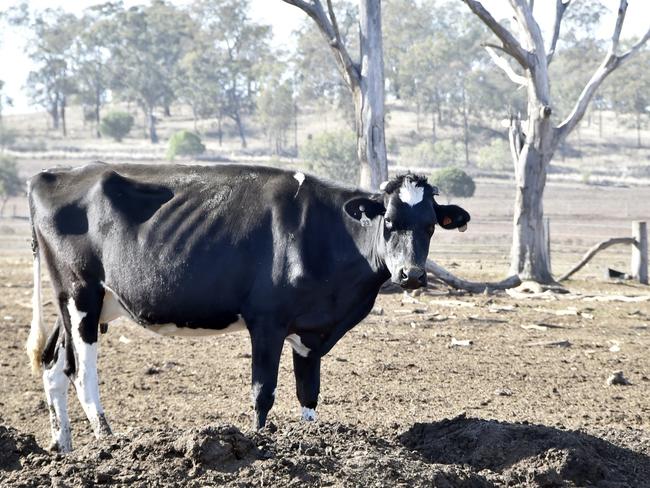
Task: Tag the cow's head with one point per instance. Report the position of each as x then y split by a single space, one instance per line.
404 215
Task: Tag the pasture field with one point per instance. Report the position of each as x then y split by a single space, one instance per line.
525 404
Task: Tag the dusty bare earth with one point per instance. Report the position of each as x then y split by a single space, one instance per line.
525 404
399 406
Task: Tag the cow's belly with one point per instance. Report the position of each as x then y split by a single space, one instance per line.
113 309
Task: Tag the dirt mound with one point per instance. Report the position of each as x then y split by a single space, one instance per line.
14 447
458 453
524 454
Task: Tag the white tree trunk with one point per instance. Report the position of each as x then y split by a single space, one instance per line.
369 98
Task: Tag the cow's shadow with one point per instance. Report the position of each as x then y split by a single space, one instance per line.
521 454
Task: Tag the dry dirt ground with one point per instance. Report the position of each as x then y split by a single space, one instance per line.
399 405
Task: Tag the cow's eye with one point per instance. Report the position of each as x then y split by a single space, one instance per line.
388 223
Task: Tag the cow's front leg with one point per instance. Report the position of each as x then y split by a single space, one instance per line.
307 373
267 349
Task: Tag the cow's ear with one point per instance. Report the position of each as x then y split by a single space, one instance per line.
364 210
452 217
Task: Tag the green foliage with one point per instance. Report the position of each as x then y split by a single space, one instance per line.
116 125
11 184
495 156
184 143
444 152
276 112
7 136
453 182
333 155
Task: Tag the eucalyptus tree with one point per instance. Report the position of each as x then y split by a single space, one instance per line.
146 44
52 82
243 48
90 58
534 140
364 78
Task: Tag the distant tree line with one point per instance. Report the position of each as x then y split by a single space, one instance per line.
210 56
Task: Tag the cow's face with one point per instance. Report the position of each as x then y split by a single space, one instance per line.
405 215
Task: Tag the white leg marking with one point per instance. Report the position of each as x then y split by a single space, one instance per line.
309 414
86 382
411 194
298 346
255 392
56 391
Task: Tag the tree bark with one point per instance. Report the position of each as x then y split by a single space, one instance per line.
64 129
97 117
364 79
240 129
151 124
369 98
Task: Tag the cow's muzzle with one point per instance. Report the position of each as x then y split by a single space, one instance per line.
412 278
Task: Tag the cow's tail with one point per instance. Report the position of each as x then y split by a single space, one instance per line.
37 332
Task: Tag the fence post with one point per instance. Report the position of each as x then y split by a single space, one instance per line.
639 261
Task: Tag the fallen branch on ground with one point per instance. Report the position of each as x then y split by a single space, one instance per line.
593 251
472 286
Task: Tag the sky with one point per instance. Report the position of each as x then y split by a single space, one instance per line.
284 18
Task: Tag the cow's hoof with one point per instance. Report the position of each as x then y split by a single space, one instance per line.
55 447
309 414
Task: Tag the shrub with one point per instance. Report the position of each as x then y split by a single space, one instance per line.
434 154
333 155
494 156
184 143
11 184
116 125
453 182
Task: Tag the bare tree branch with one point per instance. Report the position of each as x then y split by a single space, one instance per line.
510 44
529 26
503 63
560 8
329 28
595 250
609 64
620 18
335 24
472 286
635 47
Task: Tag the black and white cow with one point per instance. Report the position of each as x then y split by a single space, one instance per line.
196 250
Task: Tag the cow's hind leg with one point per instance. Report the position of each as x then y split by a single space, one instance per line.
56 384
266 351
307 373
83 309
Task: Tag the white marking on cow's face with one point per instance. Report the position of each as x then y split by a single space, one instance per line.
86 381
411 194
174 330
309 414
297 345
383 185
56 391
